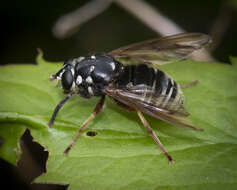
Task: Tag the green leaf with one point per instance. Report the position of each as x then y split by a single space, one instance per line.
233 60
10 133
123 155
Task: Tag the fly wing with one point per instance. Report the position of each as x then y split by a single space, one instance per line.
167 116
164 50
178 117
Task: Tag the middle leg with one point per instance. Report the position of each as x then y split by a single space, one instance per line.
97 110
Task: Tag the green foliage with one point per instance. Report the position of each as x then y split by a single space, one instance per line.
122 155
232 3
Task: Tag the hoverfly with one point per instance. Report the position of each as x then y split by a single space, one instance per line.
141 87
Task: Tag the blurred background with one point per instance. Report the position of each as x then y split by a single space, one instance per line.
67 29
105 25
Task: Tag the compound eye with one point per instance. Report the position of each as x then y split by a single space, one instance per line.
67 80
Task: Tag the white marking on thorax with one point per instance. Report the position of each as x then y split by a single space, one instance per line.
90 91
103 75
79 59
92 68
79 80
89 80
112 64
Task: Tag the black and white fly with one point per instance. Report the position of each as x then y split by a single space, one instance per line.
140 87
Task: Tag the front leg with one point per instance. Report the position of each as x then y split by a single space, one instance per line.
56 110
97 110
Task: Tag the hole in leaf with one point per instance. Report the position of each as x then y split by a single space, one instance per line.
31 164
91 133
33 159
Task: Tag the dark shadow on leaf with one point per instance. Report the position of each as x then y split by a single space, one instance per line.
33 159
31 165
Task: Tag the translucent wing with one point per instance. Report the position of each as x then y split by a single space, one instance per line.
163 50
176 115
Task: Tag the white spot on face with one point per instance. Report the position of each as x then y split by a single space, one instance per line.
103 75
92 68
90 91
112 64
93 57
79 80
89 80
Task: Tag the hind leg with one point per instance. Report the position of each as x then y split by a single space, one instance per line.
153 135
189 84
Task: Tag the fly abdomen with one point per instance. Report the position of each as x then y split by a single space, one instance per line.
169 93
152 86
136 75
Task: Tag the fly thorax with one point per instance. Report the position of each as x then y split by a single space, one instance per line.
94 73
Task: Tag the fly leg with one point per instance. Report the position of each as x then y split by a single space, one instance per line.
97 110
190 84
153 135
60 104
